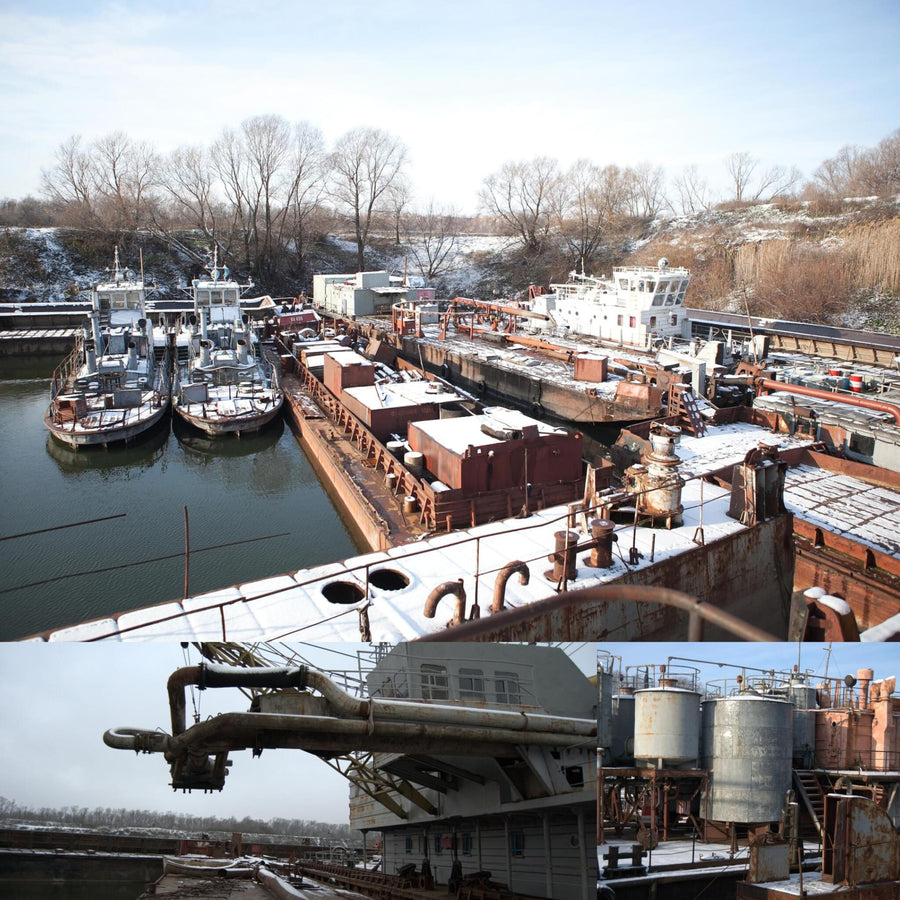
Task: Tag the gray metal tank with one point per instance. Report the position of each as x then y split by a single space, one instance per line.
667 725
746 745
803 697
622 747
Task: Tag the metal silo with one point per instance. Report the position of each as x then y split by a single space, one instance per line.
746 746
622 749
803 697
666 725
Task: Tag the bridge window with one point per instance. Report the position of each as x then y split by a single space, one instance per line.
517 843
435 685
467 844
471 684
506 686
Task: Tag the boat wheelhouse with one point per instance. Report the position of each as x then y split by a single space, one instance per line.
640 305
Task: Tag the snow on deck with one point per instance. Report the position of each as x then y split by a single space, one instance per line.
401 394
839 503
294 605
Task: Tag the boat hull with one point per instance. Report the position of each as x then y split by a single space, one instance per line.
78 434
237 424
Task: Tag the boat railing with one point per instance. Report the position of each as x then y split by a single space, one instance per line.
63 373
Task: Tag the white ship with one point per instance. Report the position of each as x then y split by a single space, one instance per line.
639 306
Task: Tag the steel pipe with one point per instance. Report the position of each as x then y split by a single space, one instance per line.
448 588
502 577
766 384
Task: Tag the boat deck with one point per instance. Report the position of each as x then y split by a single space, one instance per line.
865 511
323 603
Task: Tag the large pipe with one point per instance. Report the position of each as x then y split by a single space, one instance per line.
326 734
499 600
766 384
371 711
448 588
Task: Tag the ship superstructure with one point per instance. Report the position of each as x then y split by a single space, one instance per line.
637 306
470 761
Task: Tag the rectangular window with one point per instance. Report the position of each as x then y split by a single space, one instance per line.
506 687
675 321
620 320
471 684
517 843
632 321
653 321
437 845
435 685
407 845
467 845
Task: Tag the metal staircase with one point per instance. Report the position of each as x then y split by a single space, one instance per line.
809 790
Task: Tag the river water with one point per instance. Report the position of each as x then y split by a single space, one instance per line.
257 494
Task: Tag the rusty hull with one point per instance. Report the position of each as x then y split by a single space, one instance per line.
746 576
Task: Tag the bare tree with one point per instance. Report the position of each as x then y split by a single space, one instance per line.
268 145
741 167
364 164
880 167
693 191
69 183
589 201
187 176
523 196
839 176
398 197
231 165
307 168
124 172
777 181
645 190
432 237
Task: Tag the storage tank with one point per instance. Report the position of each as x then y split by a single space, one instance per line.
667 725
746 745
622 748
803 698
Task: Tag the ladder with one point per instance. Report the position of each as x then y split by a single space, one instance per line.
810 792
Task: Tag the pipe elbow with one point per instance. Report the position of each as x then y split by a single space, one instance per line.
503 577
138 739
448 588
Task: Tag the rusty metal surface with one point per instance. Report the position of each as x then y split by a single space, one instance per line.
860 843
768 861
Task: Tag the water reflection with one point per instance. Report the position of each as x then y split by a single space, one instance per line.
141 454
228 445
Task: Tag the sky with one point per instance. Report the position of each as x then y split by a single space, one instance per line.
59 699
466 86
